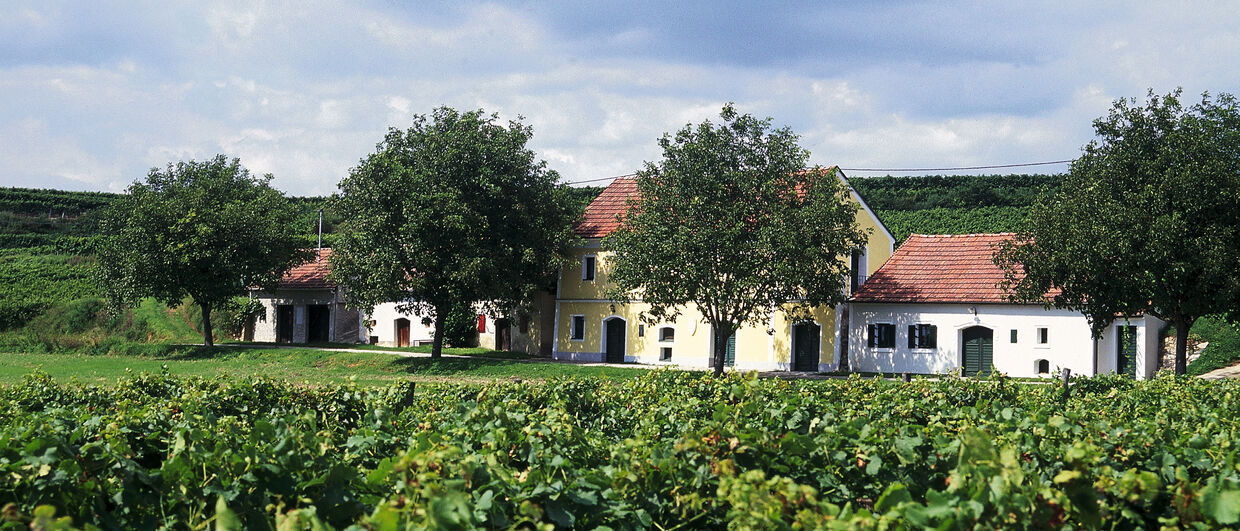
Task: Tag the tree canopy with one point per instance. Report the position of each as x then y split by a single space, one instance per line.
204 229
455 209
731 222
1148 219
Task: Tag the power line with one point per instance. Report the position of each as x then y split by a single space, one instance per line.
963 167
989 167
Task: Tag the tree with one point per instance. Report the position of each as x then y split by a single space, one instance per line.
204 229
456 209
731 223
1148 220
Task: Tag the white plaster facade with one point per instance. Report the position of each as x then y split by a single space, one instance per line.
1069 343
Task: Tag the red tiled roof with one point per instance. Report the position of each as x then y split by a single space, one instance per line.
603 214
943 269
310 275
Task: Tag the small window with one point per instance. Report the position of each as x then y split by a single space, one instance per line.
579 328
587 268
882 335
1043 366
923 336
667 333
665 354
1044 336
641 330
1013 335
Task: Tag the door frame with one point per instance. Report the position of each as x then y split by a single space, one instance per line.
396 331
961 342
291 322
792 344
603 337
1119 346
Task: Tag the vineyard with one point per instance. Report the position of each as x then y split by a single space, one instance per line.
665 450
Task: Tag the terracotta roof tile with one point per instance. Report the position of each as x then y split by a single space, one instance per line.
942 269
310 275
603 214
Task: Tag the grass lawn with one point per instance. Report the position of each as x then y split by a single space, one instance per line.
419 349
315 367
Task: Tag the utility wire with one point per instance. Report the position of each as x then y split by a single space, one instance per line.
963 167
990 167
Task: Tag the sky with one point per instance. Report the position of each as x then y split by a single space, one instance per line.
95 94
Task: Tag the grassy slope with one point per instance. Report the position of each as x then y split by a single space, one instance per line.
1224 347
315 367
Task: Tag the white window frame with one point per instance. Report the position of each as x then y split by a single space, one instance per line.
593 260
1037 337
572 328
876 346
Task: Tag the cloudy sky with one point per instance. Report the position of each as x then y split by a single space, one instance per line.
93 94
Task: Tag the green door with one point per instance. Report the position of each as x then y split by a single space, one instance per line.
1126 351
978 350
729 356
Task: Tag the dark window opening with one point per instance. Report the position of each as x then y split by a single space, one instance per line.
579 327
923 336
882 335
667 333
587 268
665 354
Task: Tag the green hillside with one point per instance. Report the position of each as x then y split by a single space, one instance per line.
955 204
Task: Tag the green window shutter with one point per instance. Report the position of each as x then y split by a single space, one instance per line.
931 336
1013 335
871 341
912 336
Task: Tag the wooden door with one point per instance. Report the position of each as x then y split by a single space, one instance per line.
615 340
1126 350
805 337
503 334
978 350
284 323
402 332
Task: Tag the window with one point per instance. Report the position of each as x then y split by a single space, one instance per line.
587 268
665 354
578 331
641 330
1013 335
1043 366
667 333
923 336
1043 336
882 335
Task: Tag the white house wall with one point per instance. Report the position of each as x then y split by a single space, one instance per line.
1070 344
384 317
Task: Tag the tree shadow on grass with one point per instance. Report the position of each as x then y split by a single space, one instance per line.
198 353
450 366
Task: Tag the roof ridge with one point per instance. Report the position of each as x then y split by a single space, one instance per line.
963 235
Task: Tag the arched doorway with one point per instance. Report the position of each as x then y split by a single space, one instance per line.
805 338
613 342
978 350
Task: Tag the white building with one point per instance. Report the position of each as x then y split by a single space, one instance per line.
936 307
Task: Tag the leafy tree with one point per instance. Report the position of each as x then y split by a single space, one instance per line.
454 210
204 229
730 223
1148 219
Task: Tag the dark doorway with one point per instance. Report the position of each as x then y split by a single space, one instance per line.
614 352
284 323
1126 351
402 332
503 334
805 337
978 350
318 323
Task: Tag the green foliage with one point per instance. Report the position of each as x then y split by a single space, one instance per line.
1148 219
207 230
454 210
1223 349
580 196
461 326
983 219
660 450
961 192
728 222
33 282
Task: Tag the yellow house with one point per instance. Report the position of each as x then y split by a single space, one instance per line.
590 327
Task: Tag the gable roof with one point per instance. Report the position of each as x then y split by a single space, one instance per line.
941 268
311 274
603 214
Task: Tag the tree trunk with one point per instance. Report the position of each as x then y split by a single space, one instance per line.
441 318
721 347
206 325
1182 326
